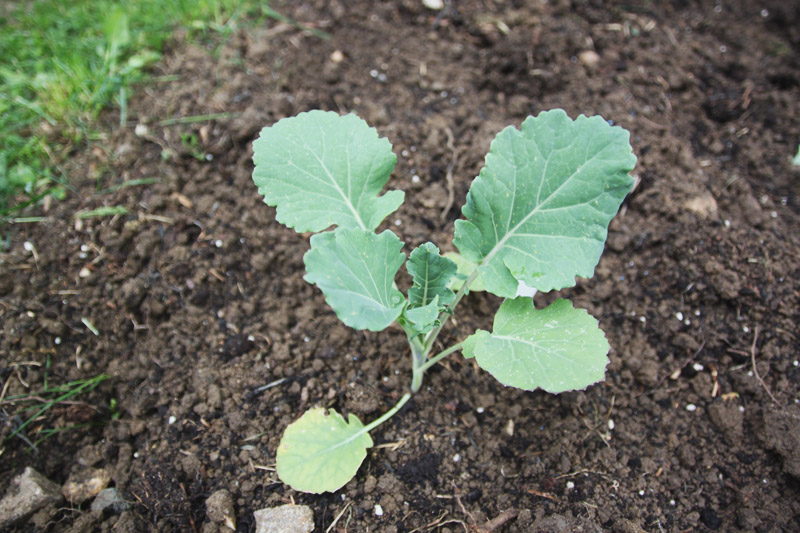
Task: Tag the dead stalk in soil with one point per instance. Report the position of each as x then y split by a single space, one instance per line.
755 367
449 175
499 520
489 526
338 516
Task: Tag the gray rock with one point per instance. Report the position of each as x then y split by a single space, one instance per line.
285 519
111 500
27 493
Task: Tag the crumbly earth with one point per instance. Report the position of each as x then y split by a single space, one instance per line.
213 343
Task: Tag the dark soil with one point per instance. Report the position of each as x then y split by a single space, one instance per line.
199 302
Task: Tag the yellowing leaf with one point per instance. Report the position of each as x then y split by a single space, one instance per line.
320 453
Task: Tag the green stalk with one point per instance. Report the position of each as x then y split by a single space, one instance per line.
444 316
387 415
418 356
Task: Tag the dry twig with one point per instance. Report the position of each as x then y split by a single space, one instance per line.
755 368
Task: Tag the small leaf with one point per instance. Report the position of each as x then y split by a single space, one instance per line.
321 169
540 208
465 269
320 452
419 320
355 269
432 274
558 348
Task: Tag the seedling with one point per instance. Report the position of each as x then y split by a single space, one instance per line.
536 217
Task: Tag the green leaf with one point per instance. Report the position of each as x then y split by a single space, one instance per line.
465 269
558 348
320 452
420 320
540 208
432 274
355 269
468 346
321 169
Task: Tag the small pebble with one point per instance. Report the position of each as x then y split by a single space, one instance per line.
691 407
85 483
589 58
294 518
433 4
220 508
378 510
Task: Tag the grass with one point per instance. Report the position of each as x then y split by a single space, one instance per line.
32 408
64 61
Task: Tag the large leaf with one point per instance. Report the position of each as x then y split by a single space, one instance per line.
320 452
355 269
432 274
558 348
320 169
540 208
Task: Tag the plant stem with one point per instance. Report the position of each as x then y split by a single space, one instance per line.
388 414
420 350
445 316
418 356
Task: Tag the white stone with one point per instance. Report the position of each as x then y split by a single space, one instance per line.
590 58
433 4
85 483
285 519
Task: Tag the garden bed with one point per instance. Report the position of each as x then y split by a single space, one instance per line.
213 343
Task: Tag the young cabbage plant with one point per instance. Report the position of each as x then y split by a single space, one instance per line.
536 217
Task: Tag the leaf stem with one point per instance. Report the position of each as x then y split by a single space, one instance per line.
387 415
438 357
